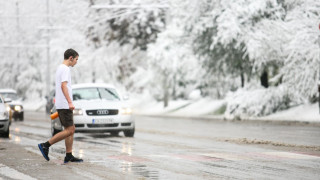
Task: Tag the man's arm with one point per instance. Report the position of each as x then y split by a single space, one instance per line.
66 94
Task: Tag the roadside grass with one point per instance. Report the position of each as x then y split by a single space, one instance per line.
178 108
220 111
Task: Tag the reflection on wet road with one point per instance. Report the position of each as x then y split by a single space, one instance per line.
188 149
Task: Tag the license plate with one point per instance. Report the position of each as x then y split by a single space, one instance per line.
101 121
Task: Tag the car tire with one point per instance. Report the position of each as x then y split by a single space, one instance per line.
21 118
6 133
54 131
129 133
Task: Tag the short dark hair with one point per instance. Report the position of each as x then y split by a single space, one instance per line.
70 52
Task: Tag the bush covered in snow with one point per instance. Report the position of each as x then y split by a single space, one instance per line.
247 102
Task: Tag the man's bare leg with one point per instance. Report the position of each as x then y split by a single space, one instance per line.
69 143
69 131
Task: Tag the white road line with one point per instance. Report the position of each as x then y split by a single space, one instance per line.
13 174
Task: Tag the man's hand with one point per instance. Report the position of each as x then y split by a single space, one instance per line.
71 106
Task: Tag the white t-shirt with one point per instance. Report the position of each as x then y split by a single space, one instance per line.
63 74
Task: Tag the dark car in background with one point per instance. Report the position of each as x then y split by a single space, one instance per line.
16 106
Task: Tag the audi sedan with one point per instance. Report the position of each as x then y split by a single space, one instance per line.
99 108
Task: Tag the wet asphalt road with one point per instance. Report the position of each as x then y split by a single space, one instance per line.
184 149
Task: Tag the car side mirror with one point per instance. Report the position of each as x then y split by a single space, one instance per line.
7 100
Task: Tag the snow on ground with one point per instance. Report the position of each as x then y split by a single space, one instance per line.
35 105
209 107
307 112
201 107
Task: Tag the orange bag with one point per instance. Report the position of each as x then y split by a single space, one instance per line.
54 115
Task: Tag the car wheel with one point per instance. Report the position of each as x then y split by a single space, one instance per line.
115 133
54 131
21 117
6 133
129 133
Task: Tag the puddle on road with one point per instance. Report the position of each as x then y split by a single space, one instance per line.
138 169
126 148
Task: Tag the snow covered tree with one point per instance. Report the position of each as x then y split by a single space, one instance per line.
175 68
223 42
129 26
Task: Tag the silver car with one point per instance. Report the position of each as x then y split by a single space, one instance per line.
98 108
4 118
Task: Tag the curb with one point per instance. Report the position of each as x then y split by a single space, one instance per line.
248 120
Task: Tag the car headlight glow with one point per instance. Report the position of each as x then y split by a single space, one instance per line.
125 111
17 108
8 108
77 112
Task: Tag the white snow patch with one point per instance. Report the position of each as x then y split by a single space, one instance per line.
35 105
200 107
308 112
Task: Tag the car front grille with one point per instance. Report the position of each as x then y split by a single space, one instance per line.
125 124
102 125
102 112
79 125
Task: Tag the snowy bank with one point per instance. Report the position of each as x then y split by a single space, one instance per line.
215 109
201 108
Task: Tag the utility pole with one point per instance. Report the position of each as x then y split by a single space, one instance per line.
319 70
48 76
18 41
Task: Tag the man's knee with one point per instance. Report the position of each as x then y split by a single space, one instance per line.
71 130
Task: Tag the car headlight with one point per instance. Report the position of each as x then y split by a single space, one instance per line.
125 111
8 108
6 114
17 108
77 112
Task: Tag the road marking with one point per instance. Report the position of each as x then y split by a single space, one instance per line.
13 174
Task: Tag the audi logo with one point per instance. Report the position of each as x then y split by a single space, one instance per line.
102 111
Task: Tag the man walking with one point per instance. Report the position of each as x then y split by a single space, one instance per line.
64 107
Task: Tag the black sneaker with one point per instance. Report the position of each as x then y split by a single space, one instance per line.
44 150
72 159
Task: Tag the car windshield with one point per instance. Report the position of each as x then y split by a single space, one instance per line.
12 96
95 93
